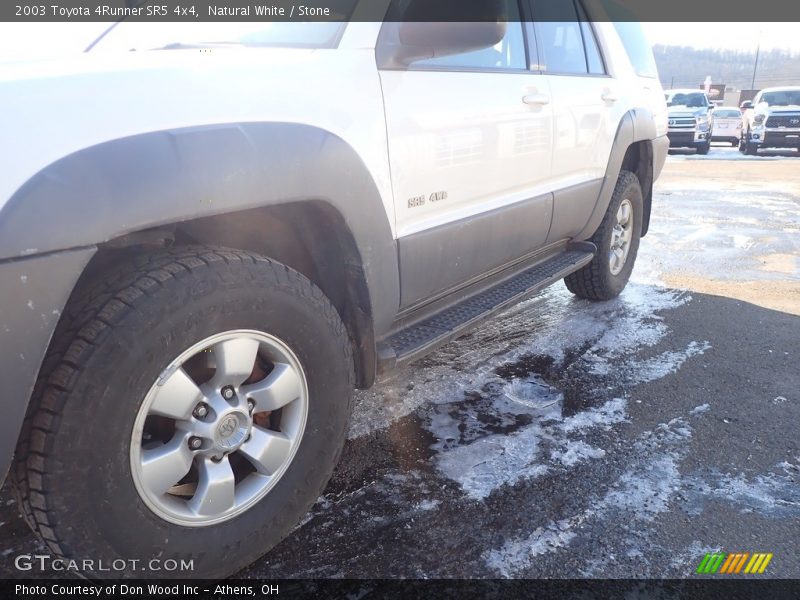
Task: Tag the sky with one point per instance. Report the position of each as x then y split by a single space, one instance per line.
39 40
728 36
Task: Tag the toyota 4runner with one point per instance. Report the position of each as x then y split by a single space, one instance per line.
772 120
203 253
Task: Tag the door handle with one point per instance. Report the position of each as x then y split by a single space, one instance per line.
609 97
536 99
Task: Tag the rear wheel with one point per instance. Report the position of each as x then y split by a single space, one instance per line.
617 241
193 410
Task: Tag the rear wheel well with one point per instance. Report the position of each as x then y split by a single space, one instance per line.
639 160
310 237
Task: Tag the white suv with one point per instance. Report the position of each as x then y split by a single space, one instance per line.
206 244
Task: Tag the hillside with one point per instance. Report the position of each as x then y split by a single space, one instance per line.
680 66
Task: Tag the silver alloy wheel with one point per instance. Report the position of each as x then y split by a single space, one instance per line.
621 236
219 428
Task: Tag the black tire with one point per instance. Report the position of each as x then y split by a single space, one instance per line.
746 146
734 142
72 470
595 281
703 149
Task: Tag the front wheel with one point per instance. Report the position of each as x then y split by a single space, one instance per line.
193 411
704 148
617 241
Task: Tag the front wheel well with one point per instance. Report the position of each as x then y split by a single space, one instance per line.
310 237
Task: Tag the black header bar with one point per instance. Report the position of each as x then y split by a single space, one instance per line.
187 11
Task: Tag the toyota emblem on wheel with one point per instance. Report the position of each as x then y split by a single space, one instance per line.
228 426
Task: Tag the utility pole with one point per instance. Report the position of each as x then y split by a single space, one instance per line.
755 65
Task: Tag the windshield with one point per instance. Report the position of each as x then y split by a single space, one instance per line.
127 35
690 99
782 98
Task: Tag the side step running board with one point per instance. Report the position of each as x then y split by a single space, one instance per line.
420 338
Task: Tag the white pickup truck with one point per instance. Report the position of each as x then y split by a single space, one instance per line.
207 243
771 120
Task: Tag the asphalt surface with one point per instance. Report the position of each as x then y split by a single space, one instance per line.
565 438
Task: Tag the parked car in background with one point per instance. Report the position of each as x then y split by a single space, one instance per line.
689 114
772 120
727 125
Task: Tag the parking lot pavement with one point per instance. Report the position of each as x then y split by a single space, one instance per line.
565 438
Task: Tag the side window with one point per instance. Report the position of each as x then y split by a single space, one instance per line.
566 39
508 53
559 36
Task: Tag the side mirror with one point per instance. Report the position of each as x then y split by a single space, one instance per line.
746 105
432 29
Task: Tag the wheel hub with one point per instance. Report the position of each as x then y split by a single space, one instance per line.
621 237
231 431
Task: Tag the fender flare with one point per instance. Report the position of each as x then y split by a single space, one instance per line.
636 125
163 177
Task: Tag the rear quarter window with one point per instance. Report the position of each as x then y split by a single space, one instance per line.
638 48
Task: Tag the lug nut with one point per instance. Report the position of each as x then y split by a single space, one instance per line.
227 392
200 411
195 443
251 405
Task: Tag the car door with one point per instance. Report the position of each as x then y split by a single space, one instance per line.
469 149
586 110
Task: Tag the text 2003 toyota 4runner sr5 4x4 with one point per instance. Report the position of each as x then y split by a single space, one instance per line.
202 254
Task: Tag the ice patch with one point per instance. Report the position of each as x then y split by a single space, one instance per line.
577 452
665 364
505 560
487 463
762 494
493 461
532 392
699 410
641 493
604 416
427 504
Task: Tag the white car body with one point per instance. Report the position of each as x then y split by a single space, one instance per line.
106 95
727 124
773 120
